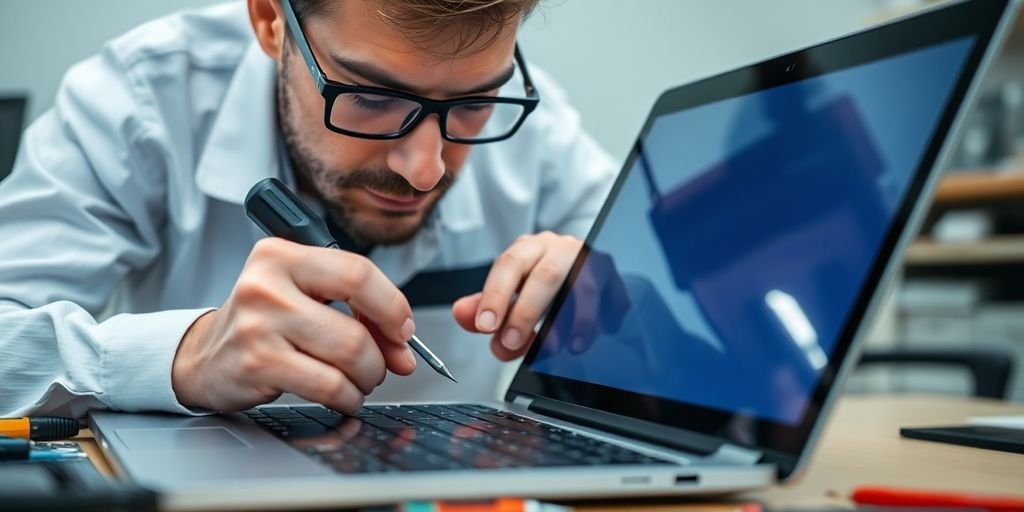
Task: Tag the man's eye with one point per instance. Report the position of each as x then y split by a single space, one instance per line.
478 107
373 102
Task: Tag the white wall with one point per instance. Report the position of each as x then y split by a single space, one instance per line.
613 56
41 39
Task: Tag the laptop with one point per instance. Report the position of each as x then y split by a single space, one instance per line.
12 115
703 333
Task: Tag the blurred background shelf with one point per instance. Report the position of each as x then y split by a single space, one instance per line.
995 265
979 188
962 283
1004 249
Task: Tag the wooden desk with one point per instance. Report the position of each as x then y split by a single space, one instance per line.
861 445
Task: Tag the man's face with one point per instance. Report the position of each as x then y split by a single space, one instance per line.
378 191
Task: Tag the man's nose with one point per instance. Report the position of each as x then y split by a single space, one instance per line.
417 156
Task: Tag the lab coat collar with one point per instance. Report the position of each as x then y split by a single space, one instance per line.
242 146
461 209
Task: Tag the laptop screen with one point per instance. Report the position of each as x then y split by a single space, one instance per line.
744 232
736 255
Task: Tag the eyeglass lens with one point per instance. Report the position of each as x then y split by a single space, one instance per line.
384 115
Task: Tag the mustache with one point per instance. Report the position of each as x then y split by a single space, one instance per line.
389 182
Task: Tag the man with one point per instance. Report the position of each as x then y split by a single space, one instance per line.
132 280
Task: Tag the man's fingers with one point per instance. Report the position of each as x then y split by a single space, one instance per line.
337 339
504 280
533 301
539 289
313 380
323 273
274 335
398 357
464 310
503 353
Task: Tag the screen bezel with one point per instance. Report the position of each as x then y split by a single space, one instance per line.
977 18
12 114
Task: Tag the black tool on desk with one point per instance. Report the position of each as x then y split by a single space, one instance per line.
976 436
40 428
71 486
279 212
14 449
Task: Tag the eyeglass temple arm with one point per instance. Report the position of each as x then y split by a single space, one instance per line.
303 44
527 81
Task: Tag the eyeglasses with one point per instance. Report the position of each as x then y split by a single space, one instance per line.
380 113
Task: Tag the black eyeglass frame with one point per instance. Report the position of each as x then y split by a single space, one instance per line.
330 90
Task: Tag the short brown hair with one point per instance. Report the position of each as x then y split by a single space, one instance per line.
475 22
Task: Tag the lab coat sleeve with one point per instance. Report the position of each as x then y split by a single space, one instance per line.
577 172
81 210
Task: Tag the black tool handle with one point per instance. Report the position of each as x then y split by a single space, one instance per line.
279 212
52 428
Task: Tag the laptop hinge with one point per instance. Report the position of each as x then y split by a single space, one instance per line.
671 437
732 455
522 400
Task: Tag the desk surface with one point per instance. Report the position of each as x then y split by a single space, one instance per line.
861 445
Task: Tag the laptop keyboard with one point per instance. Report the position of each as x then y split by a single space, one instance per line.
434 437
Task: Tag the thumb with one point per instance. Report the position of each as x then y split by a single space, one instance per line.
464 310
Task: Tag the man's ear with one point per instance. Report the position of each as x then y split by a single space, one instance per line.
268 24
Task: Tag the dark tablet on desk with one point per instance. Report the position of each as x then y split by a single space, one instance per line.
976 436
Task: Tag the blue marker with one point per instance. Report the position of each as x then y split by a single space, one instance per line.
23 449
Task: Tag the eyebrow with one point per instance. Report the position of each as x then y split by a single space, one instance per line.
378 76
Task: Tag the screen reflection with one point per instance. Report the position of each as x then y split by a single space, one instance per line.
725 270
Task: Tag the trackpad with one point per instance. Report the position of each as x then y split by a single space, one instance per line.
187 438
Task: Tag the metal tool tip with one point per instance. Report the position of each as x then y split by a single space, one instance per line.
446 373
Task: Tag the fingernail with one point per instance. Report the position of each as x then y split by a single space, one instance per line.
512 339
408 329
485 322
411 358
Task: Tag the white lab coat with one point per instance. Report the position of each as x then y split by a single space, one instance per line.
122 220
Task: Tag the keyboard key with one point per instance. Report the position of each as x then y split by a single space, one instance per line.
317 413
407 413
385 422
365 413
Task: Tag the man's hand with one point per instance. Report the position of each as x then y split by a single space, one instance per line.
275 334
518 291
